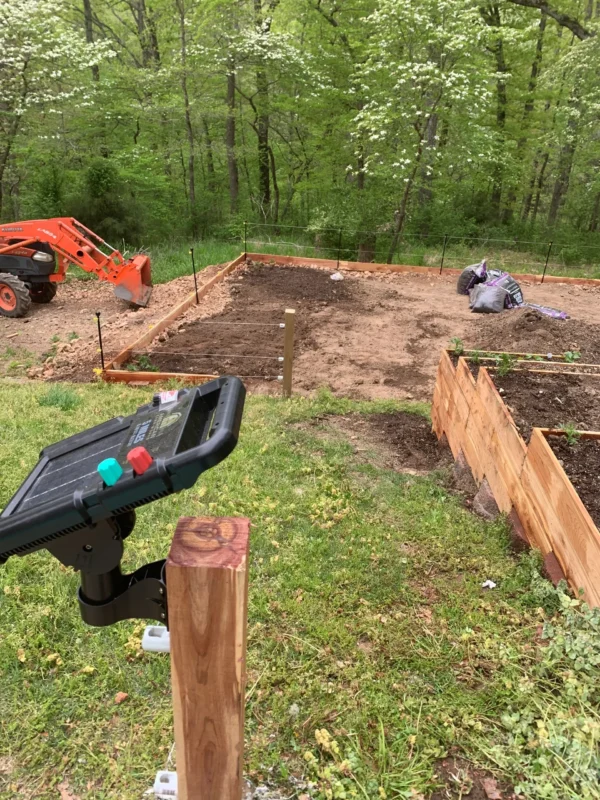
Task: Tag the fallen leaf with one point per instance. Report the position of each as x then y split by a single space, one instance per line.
490 787
21 655
87 670
120 697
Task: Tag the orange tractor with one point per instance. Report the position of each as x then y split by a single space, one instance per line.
35 255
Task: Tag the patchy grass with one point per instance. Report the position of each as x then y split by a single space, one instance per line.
60 396
16 360
373 650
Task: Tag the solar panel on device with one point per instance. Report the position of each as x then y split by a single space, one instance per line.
75 469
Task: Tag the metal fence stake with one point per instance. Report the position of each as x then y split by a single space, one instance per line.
444 252
245 240
339 248
194 271
547 260
100 340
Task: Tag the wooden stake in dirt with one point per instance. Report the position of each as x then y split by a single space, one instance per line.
288 351
207 576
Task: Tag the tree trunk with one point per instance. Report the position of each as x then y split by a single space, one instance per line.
367 246
275 213
262 132
565 164
146 31
400 214
593 226
232 167
89 33
507 214
210 162
491 15
540 185
425 191
262 120
180 4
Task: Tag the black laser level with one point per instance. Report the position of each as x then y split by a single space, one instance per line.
79 502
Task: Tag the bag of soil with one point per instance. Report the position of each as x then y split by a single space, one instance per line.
470 276
485 298
514 296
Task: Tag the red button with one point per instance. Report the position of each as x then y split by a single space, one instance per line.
140 459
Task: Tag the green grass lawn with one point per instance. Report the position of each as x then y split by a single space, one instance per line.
373 651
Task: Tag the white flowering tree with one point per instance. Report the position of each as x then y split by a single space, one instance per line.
41 59
427 96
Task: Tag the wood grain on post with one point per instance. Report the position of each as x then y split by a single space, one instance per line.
288 351
207 579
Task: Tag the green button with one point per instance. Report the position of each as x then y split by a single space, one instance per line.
110 471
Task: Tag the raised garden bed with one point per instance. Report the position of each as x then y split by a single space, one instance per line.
580 459
246 339
526 479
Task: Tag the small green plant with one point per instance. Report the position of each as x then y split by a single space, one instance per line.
459 347
60 397
72 336
476 357
533 357
505 364
571 356
142 364
55 338
572 435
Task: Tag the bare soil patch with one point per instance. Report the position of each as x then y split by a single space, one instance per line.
462 779
369 336
398 440
549 401
246 338
581 462
59 341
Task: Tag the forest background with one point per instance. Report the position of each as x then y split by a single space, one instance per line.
158 121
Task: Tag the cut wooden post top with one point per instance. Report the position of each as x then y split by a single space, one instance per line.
210 542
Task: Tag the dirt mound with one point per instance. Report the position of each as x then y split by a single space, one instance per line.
525 330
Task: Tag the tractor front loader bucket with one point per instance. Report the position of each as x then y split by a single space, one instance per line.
134 283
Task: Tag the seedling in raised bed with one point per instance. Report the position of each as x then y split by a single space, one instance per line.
533 357
505 364
142 364
459 347
476 357
572 435
571 356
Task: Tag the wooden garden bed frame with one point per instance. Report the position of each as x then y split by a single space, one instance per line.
526 479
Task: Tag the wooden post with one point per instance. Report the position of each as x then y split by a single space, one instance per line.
288 351
207 579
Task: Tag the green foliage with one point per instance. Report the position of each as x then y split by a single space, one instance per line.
571 356
378 123
572 435
476 357
505 364
105 205
552 729
142 363
458 344
60 396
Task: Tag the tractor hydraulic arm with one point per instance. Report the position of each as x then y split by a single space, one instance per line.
75 244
